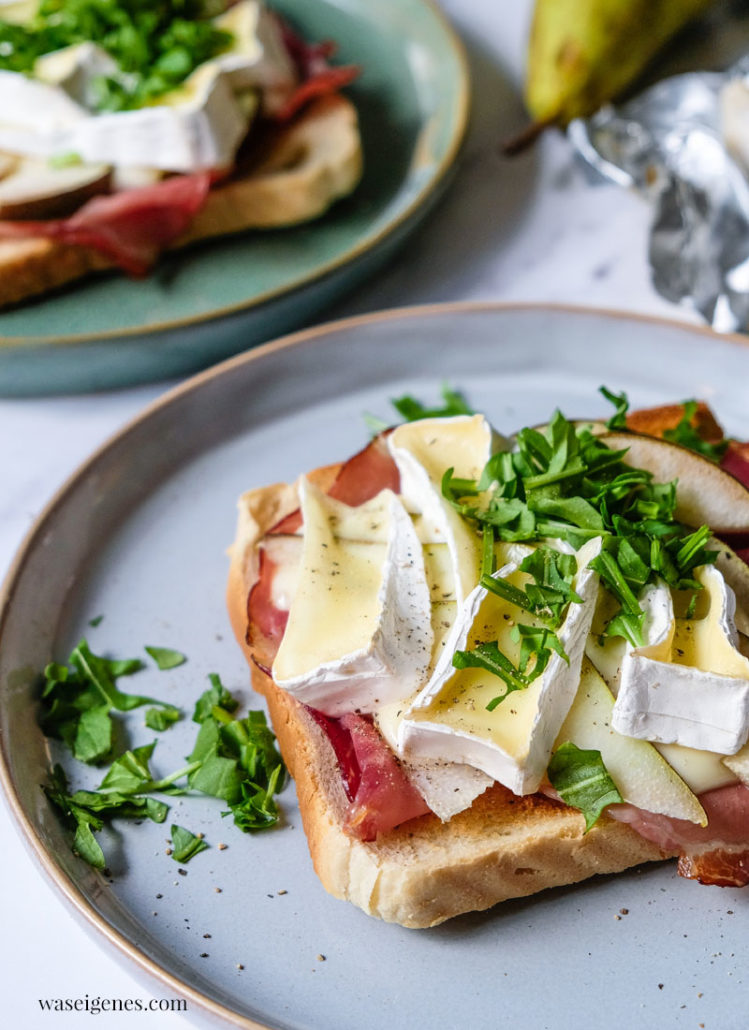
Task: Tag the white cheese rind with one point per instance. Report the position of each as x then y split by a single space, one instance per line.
661 700
423 451
700 770
519 767
372 595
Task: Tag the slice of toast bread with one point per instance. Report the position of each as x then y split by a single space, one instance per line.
312 162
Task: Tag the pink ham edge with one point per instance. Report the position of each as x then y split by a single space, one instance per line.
380 795
715 854
316 77
130 228
385 797
359 479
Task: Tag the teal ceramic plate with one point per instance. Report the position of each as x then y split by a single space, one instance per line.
139 535
222 297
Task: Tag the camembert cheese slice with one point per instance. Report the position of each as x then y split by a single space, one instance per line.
359 631
512 742
689 684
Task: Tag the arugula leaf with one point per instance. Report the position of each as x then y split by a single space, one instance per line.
412 410
86 846
86 811
219 777
582 781
160 719
165 657
488 656
130 773
565 482
686 434
78 699
537 644
620 401
185 844
217 696
257 809
93 735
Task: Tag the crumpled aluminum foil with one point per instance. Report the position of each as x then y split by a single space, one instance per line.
667 144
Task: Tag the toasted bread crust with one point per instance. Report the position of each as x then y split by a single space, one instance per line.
655 421
313 162
424 871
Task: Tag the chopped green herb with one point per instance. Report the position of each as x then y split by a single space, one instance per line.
686 434
160 719
488 656
155 44
565 483
86 812
185 845
96 621
238 761
78 699
619 419
217 696
582 780
165 657
412 410
233 759
537 644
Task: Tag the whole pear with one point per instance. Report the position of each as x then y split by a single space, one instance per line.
584 53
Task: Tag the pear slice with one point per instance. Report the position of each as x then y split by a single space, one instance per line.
706 493
33 188
642 776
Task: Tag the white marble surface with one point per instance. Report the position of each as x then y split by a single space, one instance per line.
528 230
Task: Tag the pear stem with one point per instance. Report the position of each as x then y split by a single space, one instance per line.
526 138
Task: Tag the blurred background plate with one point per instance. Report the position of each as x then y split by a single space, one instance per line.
221 297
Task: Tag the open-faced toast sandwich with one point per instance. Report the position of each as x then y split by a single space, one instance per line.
500 665
127 129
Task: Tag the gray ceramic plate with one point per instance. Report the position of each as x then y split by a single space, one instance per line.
138 535
224 296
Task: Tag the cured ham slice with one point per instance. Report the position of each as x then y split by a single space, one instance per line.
266 622
317 77
380 795
715 854
360 479
720 867
385 798
130 228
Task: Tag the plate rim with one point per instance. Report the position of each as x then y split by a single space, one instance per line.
360 248
72 895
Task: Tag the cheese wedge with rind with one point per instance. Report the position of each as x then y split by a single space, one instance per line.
689 685
423 451
700 770
513 742
380 649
